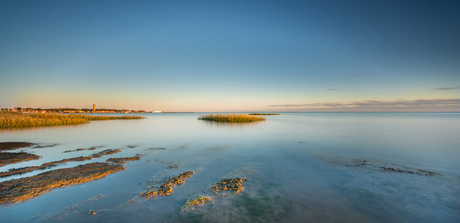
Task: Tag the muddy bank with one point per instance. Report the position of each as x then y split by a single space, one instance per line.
55 163
14 145
10 158
82 149
123 159
18 190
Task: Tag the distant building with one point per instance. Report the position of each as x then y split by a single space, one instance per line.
94 107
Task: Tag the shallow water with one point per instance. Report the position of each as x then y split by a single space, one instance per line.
296 164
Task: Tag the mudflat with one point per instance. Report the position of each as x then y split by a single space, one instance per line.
22 189
14 145
10 158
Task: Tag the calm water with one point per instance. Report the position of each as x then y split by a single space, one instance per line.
295 163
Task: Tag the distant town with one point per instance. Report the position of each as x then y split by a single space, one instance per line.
75 110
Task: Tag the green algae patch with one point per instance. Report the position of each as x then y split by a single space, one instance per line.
22 189
196 201
166 189
23 170
14 145
123 159
10 158
258 201
231 118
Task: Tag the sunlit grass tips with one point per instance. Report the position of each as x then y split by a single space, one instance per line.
264 114
18 120
231 118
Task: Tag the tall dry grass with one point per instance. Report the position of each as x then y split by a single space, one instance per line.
231 118
18 120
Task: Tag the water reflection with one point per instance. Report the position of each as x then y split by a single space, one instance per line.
30 129
232 125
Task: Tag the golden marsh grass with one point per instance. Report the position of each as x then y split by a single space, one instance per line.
19 120
231 118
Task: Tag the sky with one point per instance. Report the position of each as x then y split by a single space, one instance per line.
231 56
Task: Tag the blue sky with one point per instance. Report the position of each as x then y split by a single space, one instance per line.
231 55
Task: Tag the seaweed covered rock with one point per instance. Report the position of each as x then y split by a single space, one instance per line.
196 201
166 189
230 184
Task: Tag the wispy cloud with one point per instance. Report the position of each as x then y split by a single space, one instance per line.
452 105
334 89
447 88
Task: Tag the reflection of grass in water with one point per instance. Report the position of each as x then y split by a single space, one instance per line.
231 125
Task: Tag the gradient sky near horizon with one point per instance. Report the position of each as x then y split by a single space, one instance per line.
231 56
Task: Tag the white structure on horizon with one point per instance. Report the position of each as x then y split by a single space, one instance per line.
157 111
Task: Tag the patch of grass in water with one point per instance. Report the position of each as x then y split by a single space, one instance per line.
231 118
19 120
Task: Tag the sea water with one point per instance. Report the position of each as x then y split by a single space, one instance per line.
301 167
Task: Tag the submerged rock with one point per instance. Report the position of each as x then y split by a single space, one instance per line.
22 189
386 167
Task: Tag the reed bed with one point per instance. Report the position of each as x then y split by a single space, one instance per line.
264 114
19 120
231 118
